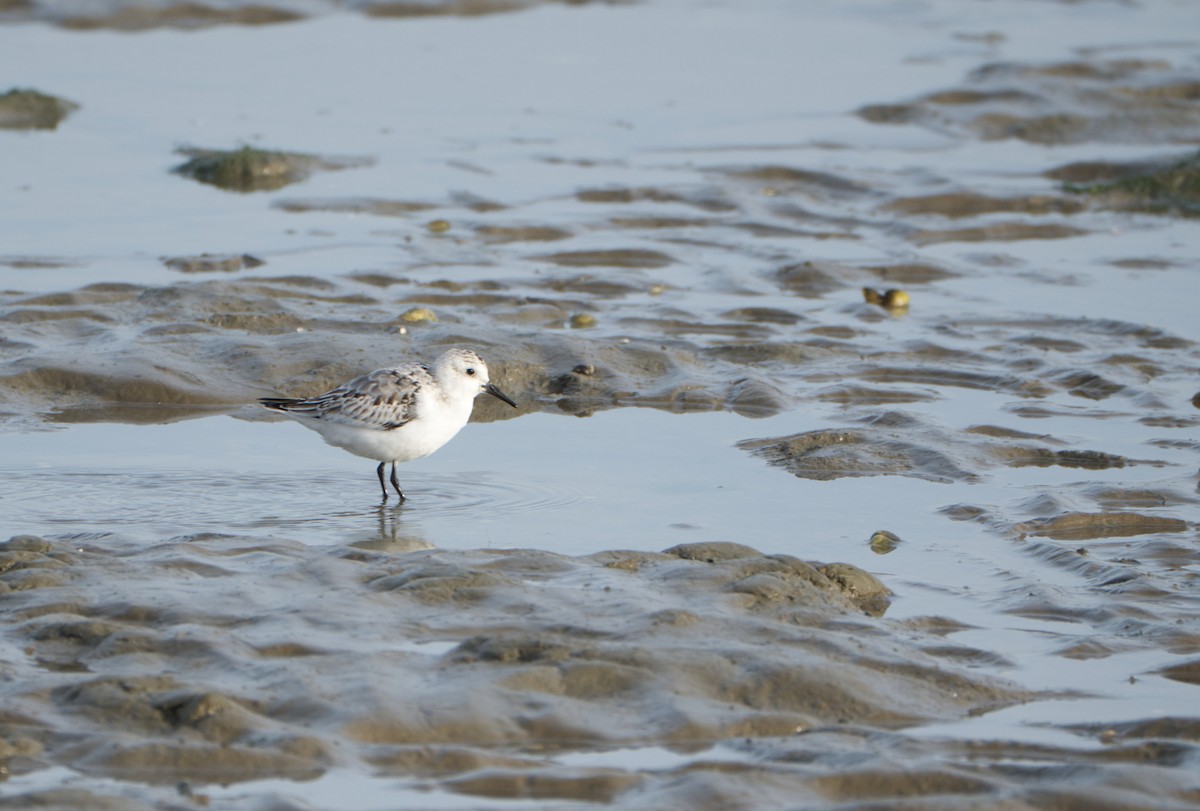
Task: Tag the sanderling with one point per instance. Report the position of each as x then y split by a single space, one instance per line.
397 414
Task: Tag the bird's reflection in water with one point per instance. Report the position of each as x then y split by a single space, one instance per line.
392 535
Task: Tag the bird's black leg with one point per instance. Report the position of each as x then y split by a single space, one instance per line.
379 473
395 483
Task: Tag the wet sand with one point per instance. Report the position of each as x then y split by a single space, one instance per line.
808 542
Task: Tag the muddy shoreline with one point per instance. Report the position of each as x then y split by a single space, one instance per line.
925 336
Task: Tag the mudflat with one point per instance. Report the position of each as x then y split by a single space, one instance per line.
855 349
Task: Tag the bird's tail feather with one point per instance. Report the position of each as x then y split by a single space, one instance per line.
278 403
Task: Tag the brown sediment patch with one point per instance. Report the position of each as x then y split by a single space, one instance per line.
662 381
68 386
1117 498
187 15
1029 456
213 263
763 315
170 762
817 278
1087 384
658 223
750 354
25 109
375 279
1090 526
1001 432
499 302
252 169
258 323
456 8
702 643
890 446
92 294
356 205
535 314
1055 343
955 378
1072 102
997 232
1083 173
588 284
911 273
1166 728
36 262
681 326
851 394
767 230
432 760
972 204
779 179
812 279
864 771
896 443
590 785
1142 263
1187 672
31 315
503 234
867 784
624 195
837 332
613 258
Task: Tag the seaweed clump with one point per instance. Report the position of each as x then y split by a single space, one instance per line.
1172 189
32 110
251 169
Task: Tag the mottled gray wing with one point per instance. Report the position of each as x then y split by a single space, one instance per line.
383 399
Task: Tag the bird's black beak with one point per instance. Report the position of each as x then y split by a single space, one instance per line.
491 389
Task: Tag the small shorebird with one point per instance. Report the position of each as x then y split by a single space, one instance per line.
397 414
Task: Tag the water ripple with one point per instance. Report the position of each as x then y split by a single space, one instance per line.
321 509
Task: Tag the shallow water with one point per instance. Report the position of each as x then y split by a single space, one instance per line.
655 221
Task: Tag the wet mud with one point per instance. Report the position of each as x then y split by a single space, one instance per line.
1107 100
188 15
23 109
252 169
1167 187
918 324
486 662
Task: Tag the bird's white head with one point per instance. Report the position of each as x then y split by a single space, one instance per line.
462 370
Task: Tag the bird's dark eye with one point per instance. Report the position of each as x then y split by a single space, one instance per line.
471 371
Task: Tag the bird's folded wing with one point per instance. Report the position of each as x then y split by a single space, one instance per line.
384 399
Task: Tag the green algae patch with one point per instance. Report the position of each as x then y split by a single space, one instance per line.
1172 189
251 169
24 109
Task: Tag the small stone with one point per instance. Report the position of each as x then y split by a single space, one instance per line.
582 321
418 314
883 542
894 300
